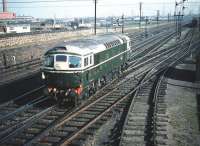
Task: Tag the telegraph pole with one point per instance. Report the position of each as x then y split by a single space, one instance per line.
179 24
4 60
146 34
199 18
140 14
179 16
95 17
199 23
168 18
158 15
122 23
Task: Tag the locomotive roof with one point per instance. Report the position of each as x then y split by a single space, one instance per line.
90 45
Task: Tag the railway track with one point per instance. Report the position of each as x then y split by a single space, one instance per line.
160 117
13 120
17 104
134 131
104 93
74 125
146 120
137 129
37 123
37 119
39 130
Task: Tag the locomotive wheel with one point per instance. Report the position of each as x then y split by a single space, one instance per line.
45 91
92 91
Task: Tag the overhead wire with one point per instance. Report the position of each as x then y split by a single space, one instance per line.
56 1
86 5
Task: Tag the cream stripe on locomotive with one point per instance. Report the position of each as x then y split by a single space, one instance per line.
81 71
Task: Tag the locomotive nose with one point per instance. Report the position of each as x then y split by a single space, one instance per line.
63 81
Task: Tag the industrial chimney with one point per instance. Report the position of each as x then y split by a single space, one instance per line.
4 5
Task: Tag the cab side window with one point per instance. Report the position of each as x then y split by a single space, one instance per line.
86 61
91 59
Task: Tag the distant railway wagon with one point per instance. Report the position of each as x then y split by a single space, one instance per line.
76 69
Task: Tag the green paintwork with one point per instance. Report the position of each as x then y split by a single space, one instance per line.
73 80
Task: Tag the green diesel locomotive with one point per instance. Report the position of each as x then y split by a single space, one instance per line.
76 69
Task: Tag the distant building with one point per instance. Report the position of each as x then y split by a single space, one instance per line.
15 28
7 15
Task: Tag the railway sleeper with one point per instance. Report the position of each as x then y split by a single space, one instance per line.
79 142
135 127
8 108
33 130
136 123
140 108
16 141
45 121
142 99
81 119
134 140
110 99
163 111
88 115
132 143
76 123
162 134
161 96
133 114
161 124
68 128
51 139
101 106
161 128
25 135
134 133
137 118
161 144
124 91
90 132
112 96
162 105
51 117
163 87
40 126
144 94
93 111
127 85
162 115
59 133
27 115
56 113
42 144
161 119
162 92
160 101
116 94
161 138
160 108
34 110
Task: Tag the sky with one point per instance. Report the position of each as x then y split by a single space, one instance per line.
105 8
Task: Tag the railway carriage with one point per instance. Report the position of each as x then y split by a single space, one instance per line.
76 69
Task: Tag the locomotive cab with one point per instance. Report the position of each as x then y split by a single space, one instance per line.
62 71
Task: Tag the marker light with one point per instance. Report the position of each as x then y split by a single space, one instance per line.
43 76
